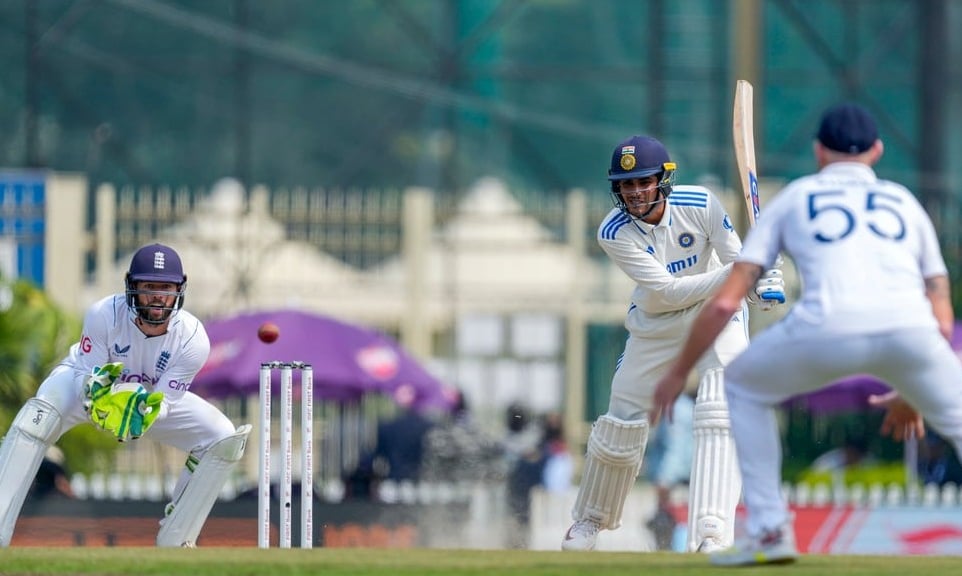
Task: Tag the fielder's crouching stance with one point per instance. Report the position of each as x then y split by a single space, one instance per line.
130 375
677 244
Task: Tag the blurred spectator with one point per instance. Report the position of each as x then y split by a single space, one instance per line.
548 465
521 437
52 478
937 462
521 468
559 465
398 454
854 452
400 445
836 464
667 465
457 450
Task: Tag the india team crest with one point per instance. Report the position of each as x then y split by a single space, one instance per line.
685 240
627 161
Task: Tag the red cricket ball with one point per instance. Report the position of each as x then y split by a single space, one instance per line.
268 332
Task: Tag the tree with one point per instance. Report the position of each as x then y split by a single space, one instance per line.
34 336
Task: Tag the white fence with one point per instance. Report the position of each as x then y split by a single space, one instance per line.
489 525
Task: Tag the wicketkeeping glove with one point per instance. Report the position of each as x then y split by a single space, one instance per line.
99 382
126 412
146 412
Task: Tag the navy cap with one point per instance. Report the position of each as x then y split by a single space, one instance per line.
157 263
847 128
637 157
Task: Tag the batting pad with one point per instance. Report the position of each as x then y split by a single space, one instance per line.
715 484
182 526
613 460
34 428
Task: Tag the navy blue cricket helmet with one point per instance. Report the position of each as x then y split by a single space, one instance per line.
155 263
638 157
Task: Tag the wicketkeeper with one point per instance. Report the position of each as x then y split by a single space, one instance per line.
130 375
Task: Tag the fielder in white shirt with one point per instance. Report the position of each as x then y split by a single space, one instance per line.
130 375
875 300
677 243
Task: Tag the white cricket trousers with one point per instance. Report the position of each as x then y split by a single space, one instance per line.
651 348
191 424
917 362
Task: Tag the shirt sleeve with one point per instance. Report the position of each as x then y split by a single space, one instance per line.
92 350
721 232
660 291
931 261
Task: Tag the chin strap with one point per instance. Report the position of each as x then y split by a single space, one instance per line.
651 206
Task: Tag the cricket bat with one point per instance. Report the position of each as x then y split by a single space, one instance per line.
743 134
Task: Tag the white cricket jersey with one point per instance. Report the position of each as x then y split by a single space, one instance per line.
165 363
862 246
675 263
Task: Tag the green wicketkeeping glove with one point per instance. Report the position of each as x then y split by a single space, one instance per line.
146 412
100 381
126 413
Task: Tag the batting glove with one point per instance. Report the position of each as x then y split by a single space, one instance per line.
770 289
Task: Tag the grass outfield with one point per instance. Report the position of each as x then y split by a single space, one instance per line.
371 561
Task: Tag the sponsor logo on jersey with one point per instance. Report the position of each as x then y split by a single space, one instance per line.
679 265
727 224
686 239
178 385
86 344
143 379
121 351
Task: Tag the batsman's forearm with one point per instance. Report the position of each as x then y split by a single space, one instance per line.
679 293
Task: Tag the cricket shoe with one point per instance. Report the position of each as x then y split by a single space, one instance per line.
773 546
582 535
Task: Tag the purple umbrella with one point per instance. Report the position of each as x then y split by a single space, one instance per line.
848 394
349 361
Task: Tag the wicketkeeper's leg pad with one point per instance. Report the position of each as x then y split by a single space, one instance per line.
714 487
613 460
35 427
188 513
